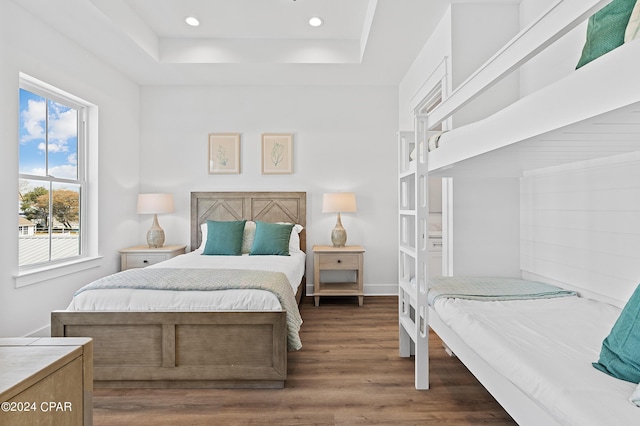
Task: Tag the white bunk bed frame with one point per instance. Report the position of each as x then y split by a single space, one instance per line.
527 144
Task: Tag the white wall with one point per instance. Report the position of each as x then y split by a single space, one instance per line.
478 31
580 225
28 45
343 140
485 211
412 87
555 62
467 36
486 221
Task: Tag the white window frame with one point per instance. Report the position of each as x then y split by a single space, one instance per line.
88 258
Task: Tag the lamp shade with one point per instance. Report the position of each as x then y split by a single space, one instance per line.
155 203
339 202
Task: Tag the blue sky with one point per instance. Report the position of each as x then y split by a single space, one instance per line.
62 129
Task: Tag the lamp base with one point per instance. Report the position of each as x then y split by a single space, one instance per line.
339 234
155 234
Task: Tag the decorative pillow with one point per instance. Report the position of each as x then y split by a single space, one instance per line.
271 239
605 30
224 238
203 234
248 236
633 27
294 241
635 396
619 353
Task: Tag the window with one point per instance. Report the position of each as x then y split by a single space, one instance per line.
52 182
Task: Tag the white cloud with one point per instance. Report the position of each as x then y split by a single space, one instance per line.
63 124
58 146
64 171
61 128
73 158
33 120
38 171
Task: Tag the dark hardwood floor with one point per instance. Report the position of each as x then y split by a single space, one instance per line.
347 373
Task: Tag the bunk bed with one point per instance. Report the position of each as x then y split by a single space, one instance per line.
534 133
527 131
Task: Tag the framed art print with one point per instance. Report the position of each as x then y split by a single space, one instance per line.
224 153
277 156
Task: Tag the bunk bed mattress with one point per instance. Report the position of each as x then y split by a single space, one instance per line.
131 299
517 337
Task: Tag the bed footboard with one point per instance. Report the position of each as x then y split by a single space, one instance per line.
182 349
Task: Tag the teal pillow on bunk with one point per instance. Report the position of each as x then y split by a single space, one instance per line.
224 238
619 356
605 30
271 239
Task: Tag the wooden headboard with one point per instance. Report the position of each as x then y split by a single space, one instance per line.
265 206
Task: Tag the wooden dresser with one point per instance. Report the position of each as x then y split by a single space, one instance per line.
46 381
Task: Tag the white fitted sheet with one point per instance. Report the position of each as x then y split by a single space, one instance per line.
545 348
161 300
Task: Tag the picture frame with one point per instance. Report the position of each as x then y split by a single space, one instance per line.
277 154
224 153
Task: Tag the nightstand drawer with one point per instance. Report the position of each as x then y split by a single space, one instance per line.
142 256
339 261
142 260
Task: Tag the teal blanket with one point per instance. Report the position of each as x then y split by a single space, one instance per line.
492 288
185 279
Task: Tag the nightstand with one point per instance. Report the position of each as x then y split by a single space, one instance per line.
141 256
329 258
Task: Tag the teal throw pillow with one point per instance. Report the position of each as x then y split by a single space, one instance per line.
224 238
605 30
619 356
271 239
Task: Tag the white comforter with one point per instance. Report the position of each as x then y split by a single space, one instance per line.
546 347
152 300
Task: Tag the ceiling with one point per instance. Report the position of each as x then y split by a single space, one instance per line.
362 42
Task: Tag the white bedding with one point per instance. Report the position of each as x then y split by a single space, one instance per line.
546 347
152 300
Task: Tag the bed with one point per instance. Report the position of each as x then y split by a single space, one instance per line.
534 350
173 339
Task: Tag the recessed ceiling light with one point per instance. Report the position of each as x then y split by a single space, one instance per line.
316 21
192 21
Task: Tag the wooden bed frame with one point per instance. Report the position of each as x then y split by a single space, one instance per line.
195 349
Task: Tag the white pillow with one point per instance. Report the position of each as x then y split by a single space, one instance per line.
635 396
203 234
294 240
248 236
633 27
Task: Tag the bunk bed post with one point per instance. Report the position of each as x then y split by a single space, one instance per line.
422 255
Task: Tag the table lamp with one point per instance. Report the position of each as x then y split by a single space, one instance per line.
155 204
339 202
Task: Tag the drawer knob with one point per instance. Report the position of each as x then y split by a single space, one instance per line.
145 261
339 261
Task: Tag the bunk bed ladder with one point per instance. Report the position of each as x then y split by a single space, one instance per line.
413 203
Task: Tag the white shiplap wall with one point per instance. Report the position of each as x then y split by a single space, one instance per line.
580 226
